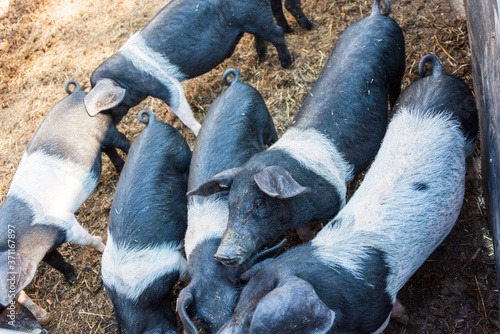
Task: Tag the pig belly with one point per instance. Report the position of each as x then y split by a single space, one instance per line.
55 186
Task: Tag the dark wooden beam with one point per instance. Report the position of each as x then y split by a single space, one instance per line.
483 22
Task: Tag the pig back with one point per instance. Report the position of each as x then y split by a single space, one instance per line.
236 127
349 101
150 201
68 132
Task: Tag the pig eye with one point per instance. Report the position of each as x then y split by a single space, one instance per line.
259 204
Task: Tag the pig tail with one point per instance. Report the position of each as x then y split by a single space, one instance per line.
69 83
376 7
230 71
150 116
437 69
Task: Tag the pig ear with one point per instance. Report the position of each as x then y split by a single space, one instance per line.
14 268
275 181
105 95
218 183
279 311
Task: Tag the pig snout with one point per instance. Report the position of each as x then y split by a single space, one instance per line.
235 248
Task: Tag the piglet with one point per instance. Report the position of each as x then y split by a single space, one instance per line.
58 171
185 39
236 126
334 136
347 278
142 260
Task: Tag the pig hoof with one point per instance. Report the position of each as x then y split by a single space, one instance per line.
286 61
287 29
98 244
306 24
400 313
44 318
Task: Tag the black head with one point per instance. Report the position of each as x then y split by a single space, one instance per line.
214 288
260 208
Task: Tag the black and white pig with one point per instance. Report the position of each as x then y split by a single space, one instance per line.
295 8
347 278
236 126
58 171
334 136
142 260
187 38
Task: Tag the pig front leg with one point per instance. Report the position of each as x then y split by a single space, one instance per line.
78 235
115 138
39 313
56 261
399 313
261 47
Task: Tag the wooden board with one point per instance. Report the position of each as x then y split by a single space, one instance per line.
484 34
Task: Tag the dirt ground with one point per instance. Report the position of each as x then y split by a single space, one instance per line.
43 43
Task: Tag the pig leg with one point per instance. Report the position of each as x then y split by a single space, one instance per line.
277 8
265 28
293 6
399 313
175 92
305 232
261 46
115 158
80 236
56 261
40 314
115 138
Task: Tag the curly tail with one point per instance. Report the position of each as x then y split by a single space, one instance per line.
437 69
234 72
185 299
69 83
376 8
149 114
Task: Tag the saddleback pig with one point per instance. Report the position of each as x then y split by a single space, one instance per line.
187 38
142 260
58 171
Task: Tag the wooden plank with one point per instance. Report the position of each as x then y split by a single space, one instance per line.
484 35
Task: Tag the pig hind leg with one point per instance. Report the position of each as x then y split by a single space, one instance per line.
80 236
294 7
56 261
40 314
263 27
175 92
277 8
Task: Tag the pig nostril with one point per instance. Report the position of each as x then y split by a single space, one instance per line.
226 260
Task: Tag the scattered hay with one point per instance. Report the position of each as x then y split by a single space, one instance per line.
45 43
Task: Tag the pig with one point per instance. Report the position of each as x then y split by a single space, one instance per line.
295 8
347 278
142 260
58 171
334 136
187 38
236 126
